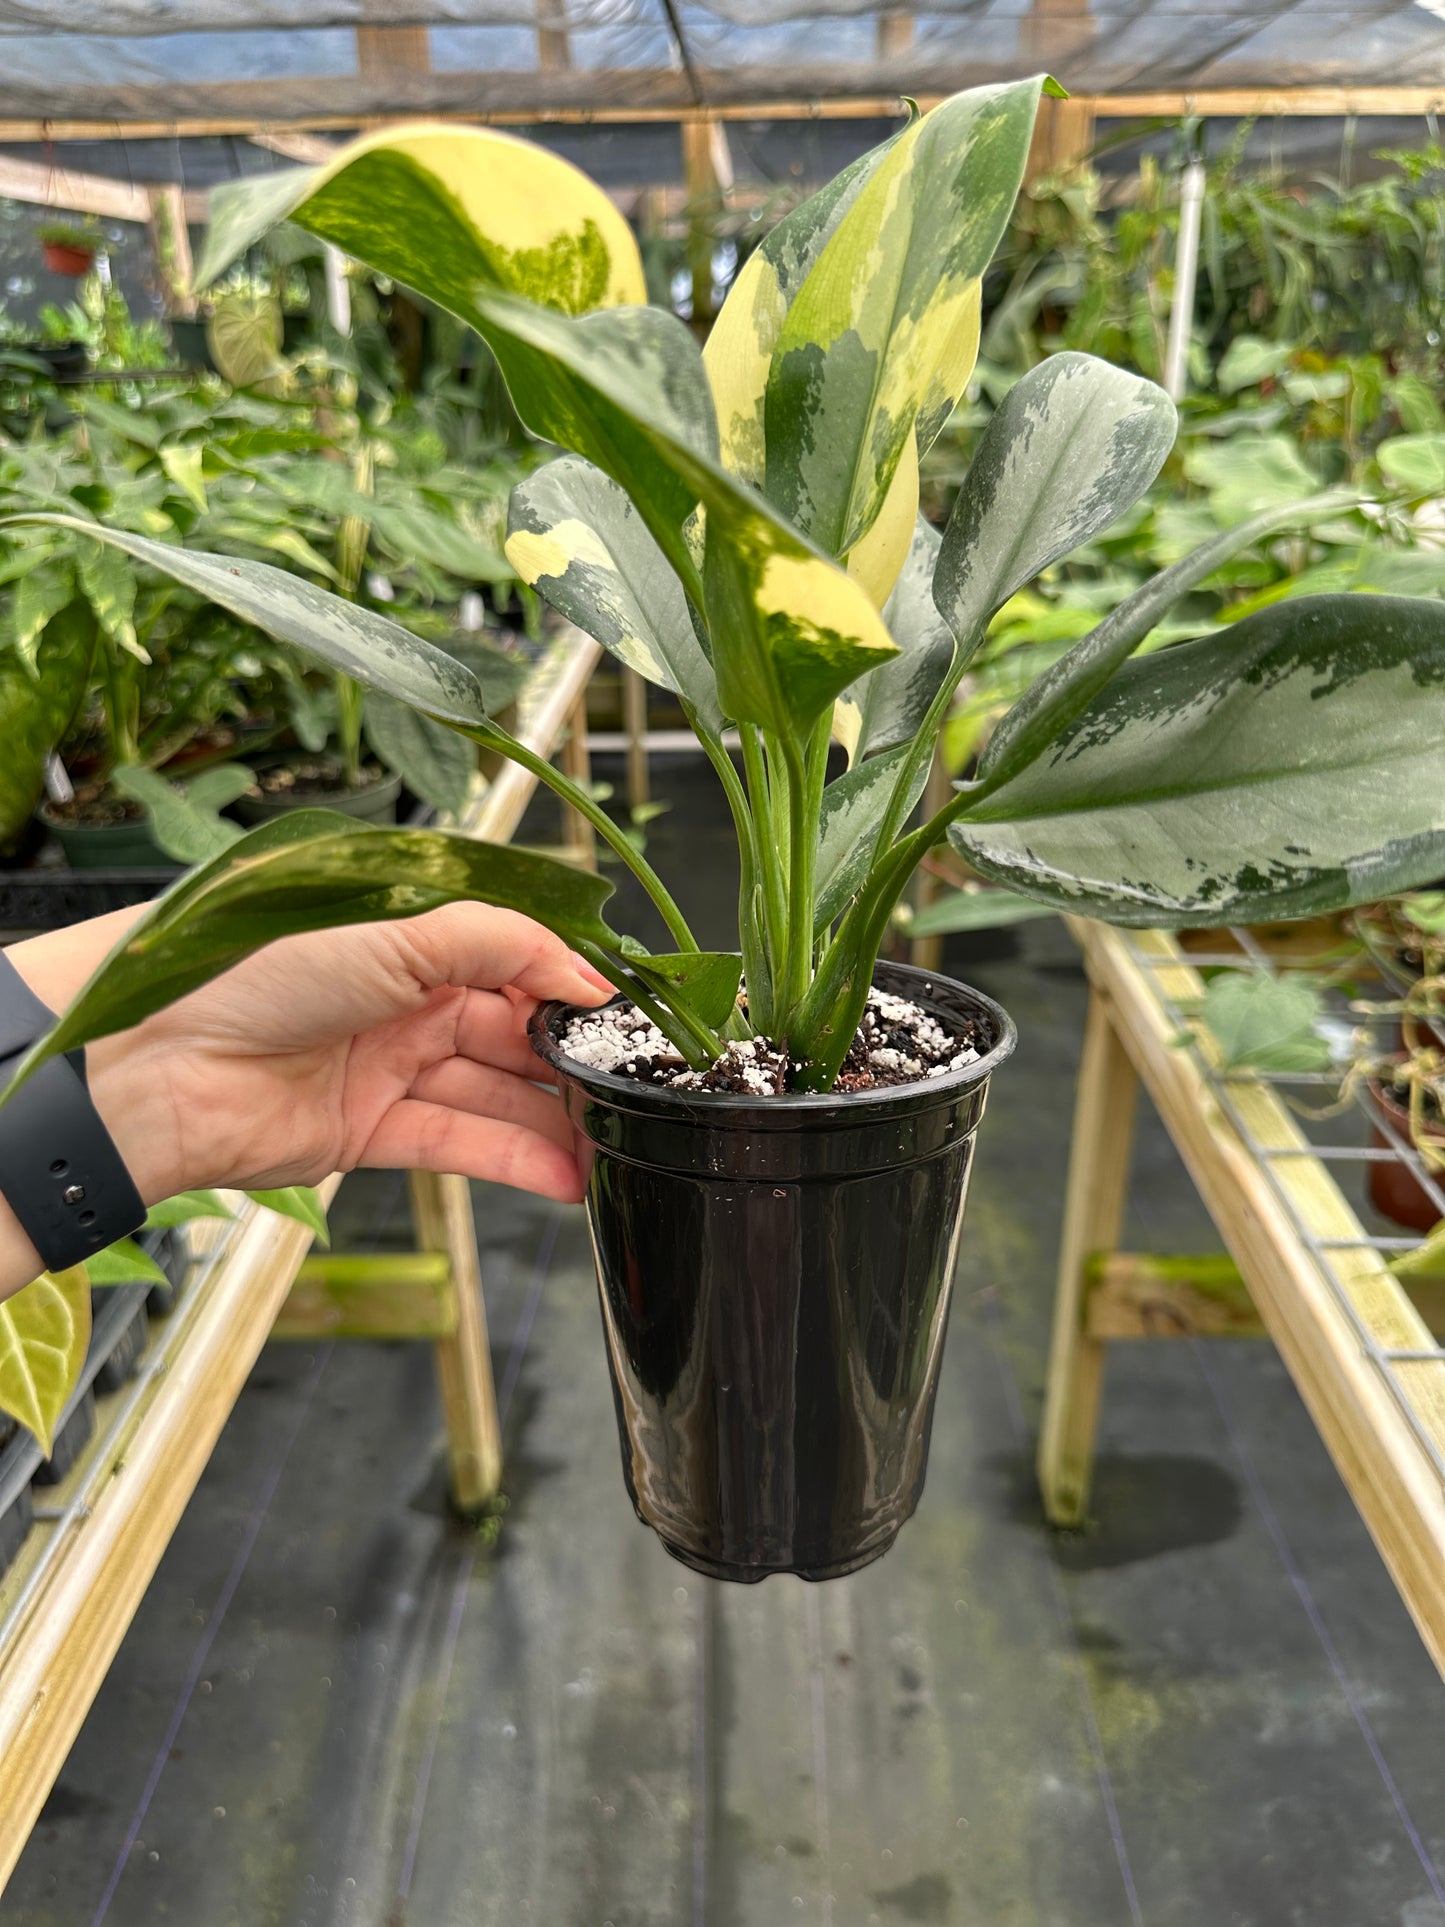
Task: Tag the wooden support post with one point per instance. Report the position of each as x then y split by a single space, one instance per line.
441 1208
634 721
708 172
383 51
579 838
171 239
1063 135
894 36
554 48
927 952
1093 1212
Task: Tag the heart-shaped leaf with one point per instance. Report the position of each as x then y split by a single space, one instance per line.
44 1332
1287 767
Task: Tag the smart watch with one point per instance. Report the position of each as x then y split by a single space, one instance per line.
60 1171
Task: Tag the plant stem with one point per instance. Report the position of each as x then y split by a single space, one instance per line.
573 793
775 907
750 937
695 1043
807 772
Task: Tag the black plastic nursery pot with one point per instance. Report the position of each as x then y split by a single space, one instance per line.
774 1277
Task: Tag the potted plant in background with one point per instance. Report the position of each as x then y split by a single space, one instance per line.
69 248
775 1240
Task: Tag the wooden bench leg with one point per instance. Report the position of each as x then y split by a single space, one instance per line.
441 1210
1093 1213
580 838
634 717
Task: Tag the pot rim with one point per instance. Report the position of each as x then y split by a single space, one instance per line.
756 1112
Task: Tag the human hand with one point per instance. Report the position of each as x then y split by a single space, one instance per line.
394 1044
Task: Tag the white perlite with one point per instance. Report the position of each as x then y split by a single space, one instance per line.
621 1039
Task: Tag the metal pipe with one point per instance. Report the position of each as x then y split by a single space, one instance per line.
1186 269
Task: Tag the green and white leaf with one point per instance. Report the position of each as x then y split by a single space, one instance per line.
40 595
44 1332
1416 462
1071 446
447 211
1049 705
853 808
1291 765
317 870
879 342
37 706
358 641
886 706
577 540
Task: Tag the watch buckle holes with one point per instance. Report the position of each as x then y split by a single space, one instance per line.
86 1218
59 1167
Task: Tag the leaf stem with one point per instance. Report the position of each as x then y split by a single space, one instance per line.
615 838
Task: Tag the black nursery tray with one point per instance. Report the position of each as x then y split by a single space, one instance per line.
48 897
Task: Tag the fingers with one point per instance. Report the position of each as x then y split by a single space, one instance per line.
476 944
418 1136
492 1029
487 1092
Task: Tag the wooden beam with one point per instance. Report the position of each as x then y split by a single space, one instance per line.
1231 103
1063 135
43 185
295 146
1150 1294
403 1294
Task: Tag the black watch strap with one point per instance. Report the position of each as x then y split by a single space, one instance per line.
60 1171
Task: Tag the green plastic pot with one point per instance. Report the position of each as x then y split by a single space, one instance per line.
107 846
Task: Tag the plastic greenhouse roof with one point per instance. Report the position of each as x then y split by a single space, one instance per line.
133 60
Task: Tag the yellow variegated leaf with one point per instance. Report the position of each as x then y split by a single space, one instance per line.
44 1332
740 345
449 211
848 725
880 339
182 462
874 561
737 357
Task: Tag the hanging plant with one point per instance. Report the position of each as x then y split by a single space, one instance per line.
69 249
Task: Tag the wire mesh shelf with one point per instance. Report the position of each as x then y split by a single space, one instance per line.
1353 1262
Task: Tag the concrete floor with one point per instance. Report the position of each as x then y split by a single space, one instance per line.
339 1708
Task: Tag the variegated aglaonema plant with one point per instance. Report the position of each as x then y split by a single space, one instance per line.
740 524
